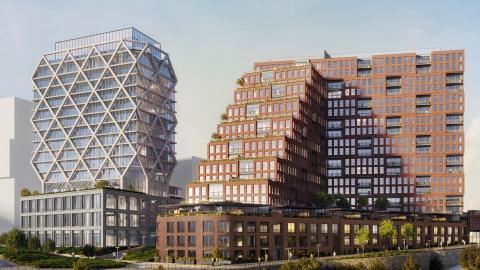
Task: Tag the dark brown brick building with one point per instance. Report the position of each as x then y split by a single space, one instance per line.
246 232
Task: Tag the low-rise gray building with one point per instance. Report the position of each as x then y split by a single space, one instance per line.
101 217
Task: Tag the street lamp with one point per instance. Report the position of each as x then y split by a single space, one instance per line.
318 251
117 251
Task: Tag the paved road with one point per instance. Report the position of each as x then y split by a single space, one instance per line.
4 263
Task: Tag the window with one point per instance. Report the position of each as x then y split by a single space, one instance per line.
253 110
278 90
291 227
111 201
208 226
277 228
191 226
346 228
223 226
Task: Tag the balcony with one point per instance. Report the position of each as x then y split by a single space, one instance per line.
454 169
455 160
454 78
454 88
334 125
422 70
364 64
364 104
364 73
364 143
392 91
423 149
454 200
423 60
423 140
393 162
423 101
394 121
394 82
454 128
335 85
454 119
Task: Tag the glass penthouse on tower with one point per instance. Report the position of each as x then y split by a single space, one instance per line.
104 109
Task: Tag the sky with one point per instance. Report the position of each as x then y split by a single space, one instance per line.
212 43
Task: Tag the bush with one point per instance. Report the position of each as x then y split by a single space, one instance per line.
49 245
436 263
88 250
302 264
146 254
33 243
470 258
25 192
43 259
410 264
81 264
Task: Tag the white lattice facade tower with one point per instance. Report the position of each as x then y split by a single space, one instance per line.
104 109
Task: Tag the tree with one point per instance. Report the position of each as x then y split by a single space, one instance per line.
130 187
24 192
387 231
470 258
410 264
362 202
16 239
102 184
322 199
3 238
216 254
33 243
35 192
362 236
381 204
89 250
240 81
49 245
406 230
341 201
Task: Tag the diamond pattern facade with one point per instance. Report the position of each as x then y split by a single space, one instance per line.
105 111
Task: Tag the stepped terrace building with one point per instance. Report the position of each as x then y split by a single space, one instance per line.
267 148
401 136
104 109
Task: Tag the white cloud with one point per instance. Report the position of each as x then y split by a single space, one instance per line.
472 165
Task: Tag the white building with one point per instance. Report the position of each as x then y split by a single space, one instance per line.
15 154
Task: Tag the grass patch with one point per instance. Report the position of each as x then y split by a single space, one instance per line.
146 254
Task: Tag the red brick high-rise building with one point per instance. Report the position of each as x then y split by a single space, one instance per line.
268 145
389 125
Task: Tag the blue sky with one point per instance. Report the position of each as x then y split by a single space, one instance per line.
212 43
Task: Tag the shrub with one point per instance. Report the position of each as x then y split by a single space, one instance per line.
25 192
49 245
102 184
88 250
16 239
33 243
470 258
436 263
410 264
302 264
376 264
146 254
80 264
